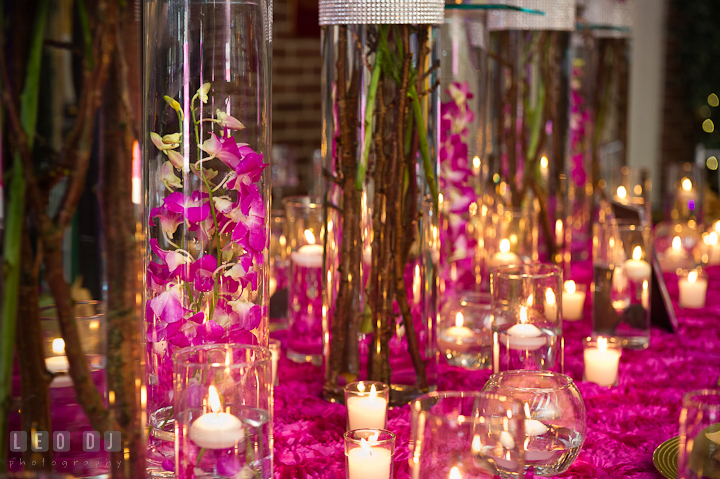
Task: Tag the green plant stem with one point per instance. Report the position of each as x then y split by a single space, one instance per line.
369 115
423 143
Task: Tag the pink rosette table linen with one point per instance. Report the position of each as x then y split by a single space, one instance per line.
625 423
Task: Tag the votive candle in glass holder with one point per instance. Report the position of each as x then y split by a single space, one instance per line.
367 403
466 434
305 241
223 406
369 453
278 262
465 330
573 300
632 187
601 356
555 419
621 282
275 348
693 289
527 312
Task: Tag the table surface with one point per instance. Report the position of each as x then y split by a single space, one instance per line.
625 423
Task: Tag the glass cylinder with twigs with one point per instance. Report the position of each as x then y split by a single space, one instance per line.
207 198
380 132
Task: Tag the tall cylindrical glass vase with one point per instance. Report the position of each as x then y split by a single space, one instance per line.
380 132
207 138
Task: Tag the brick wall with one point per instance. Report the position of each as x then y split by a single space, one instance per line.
296 82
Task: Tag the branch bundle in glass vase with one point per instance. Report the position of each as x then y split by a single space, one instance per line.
381 199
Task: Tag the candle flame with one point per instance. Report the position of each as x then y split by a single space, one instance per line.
58 346
365 446
455 473
214 399
637 253
543 162
523 315
676 243
459 320
570 286
531 300
505 245
476 444
686 184
373 439
711 239
602 344
310 236
527 411
692 276
549 296
645 285
621 192
441 198
558 227
476 162
373 392
361 387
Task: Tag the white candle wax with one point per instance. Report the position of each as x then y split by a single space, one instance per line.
366 412
692 293
504 256
637 269
550 306
523 336
308 256
714 255
456 337
534 427
506 440
57 364
601 366
217 430
375 463
572 302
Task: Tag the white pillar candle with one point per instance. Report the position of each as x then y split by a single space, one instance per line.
522 336
367 461
601 363
692 291
573 301
504 256
367 412
216 430
637 269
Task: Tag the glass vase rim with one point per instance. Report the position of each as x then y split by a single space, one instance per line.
568 382
690 398
176 357
539 271
416 403
347 436
611 341
470 5
475 298
90 302
303 201
384 387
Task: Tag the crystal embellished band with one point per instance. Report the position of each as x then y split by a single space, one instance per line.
559 15
608 18
347 12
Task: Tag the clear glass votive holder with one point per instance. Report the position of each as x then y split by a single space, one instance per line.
305 242
678 246
275 347
527 311
463 434
369 453
622 275
601 357
465 330
684 192
699 435
692 286
709 248
367 404
512 237
573 300
555 419
278 260
223 406
632 187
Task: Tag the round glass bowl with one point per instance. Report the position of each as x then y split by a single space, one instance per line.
555 425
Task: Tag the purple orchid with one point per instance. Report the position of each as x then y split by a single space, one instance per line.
247 173
200 273
243 272
169 221
249 230
168 305
173 259
194 208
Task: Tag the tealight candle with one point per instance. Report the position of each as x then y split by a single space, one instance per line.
459 335
371 459
551 309
57 364
573 301
366 409
523 336
601 361
637 269
693 290
504 256
309 255
216 430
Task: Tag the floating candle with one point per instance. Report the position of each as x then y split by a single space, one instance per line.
693 290
216 430
57 364
309 255
534 427
637 269
504 256
572 301
523 336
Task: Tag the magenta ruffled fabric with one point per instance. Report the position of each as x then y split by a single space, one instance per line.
625 424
